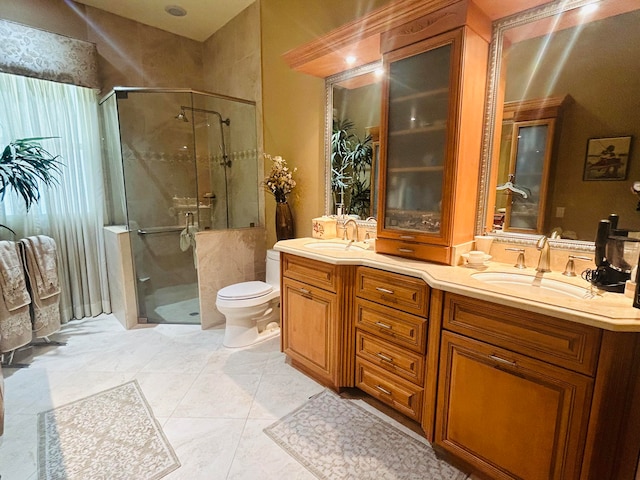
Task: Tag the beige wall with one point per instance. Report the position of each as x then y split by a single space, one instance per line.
293 103
129 53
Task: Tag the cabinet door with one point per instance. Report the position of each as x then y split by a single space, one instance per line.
309 329
510 416
417 124
529 171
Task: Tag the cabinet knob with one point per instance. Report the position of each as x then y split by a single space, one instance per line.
304 291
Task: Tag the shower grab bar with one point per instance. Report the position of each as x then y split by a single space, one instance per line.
153 230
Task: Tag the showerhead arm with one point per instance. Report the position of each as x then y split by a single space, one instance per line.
225 157
182 116
226 121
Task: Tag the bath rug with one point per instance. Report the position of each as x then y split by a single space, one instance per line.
112 434
336 439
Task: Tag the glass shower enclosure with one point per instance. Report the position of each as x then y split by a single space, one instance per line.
176 162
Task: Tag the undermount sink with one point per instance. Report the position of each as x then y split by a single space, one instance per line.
528 283
334 245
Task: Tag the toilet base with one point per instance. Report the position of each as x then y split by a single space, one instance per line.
248 326
237 337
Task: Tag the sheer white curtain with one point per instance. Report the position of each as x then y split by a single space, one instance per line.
71 212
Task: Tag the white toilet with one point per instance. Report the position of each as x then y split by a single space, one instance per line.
252 309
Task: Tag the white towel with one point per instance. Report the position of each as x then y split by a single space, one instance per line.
188 238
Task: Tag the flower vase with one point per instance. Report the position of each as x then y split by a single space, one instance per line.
284 221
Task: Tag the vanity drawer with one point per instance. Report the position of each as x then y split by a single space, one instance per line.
402 395
401 362
401 292
559 342
396 327
319 274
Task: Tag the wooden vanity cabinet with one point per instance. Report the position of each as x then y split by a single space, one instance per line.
391 338
317 332
431 130
528 396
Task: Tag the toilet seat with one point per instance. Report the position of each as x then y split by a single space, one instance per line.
245 290
246 294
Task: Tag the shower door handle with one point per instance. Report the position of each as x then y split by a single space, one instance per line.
154 230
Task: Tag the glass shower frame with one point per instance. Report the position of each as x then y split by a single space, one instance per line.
184 161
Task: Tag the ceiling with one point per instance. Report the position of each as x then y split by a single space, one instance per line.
203 17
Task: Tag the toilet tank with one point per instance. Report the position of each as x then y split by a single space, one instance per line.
273 268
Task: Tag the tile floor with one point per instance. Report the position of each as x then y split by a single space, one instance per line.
212 402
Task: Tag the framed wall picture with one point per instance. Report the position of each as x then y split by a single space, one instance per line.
607 158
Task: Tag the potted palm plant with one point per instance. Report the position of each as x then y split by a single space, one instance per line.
351 158
24 166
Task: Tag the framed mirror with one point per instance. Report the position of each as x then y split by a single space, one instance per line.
585 51
352 124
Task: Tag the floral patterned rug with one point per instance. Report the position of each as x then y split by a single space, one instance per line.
112 434
335 439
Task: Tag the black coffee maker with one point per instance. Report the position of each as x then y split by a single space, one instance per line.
616 254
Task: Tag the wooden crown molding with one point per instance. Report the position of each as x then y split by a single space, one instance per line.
325 55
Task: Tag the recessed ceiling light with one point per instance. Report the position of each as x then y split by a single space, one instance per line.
175 10
350 60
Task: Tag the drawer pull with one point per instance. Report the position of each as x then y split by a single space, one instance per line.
385 290
384 357
406 250
383 390
384 325
495 358
407 237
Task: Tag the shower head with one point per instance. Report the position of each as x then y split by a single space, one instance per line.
182 116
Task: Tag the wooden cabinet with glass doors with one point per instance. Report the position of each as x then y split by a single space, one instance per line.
431 137
529 130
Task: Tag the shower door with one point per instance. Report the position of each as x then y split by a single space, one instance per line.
177 162
160 180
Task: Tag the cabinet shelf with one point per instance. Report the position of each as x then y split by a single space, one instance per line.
418 95
413 131
436 168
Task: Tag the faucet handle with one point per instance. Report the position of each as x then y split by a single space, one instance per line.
569 269
520 261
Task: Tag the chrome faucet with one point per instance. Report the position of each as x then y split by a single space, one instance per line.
544 263
345 235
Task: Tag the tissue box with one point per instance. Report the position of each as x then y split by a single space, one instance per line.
323 227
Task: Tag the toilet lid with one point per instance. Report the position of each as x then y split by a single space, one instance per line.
244 290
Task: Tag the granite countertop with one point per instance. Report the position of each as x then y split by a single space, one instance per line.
606 310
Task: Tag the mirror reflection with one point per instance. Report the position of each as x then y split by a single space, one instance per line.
353 113
568 143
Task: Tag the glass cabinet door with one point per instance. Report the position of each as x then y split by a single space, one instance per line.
418 115
529 170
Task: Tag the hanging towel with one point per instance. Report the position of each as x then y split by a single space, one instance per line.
44 271
41 261
14 287
188 238
15 320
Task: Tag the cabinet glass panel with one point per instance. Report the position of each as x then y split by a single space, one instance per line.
531 143
417 138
